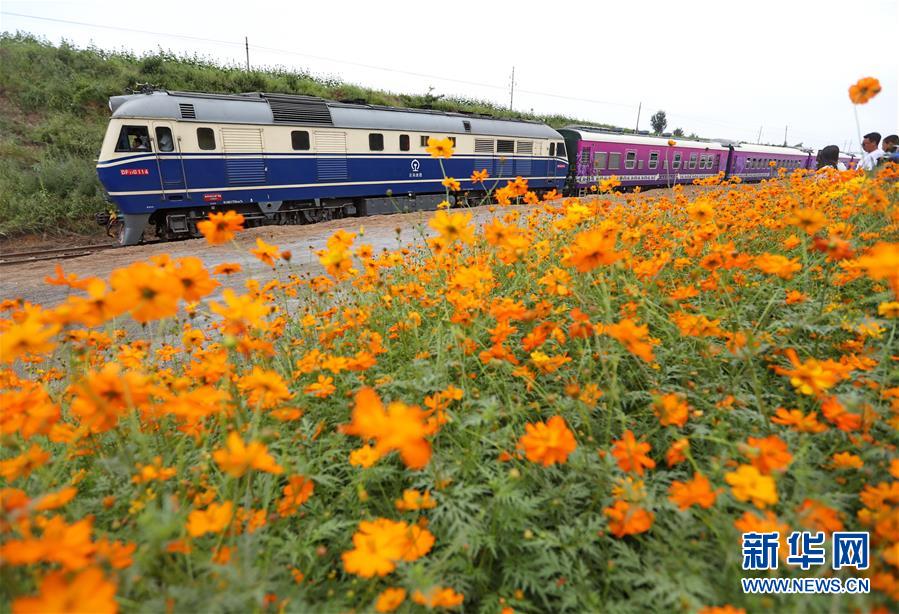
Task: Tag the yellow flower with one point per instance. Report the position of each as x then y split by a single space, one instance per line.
439 148
748 484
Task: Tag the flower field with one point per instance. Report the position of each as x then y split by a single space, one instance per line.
579 405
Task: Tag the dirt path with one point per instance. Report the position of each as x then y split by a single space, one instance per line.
26 281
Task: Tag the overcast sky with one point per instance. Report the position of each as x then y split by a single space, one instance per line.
722 69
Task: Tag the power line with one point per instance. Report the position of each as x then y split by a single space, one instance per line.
316 57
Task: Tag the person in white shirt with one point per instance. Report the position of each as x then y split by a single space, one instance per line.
872 152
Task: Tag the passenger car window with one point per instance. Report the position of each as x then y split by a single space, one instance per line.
134 138
205 138
676 163
299 139
653 159
599 163
630 160
614 161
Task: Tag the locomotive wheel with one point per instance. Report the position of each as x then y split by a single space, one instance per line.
313 216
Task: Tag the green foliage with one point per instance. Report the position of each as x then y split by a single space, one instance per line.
659 122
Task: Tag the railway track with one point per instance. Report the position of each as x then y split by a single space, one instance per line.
59 253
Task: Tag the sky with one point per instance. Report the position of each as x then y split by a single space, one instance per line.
722 69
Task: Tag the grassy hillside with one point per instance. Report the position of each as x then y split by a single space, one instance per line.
53 112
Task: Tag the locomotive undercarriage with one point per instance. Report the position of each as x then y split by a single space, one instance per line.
173 224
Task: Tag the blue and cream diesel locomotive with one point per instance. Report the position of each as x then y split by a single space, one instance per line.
170 158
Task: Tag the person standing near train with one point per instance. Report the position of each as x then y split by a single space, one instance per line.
873 153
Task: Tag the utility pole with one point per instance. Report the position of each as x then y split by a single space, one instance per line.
639 108
758 141
512 89
785 135
246 44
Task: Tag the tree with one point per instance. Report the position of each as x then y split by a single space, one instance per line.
658 121
678 132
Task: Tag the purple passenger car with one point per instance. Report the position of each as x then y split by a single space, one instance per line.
651 162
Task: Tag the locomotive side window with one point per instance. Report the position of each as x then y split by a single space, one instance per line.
164 139
134 138
560 150
614 161
630 160
299 139
404 142
653 160
376 141
205 138
552 150
599 162
676 164
424 141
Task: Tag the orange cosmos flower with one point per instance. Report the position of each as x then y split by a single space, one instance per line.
227 268
148 292
220 227
322 388
237 457
453 226
295 493
609 183
381 544
817 516
69 545
438 598
390 599
32 335
864 90
631 454
265 252
882 262
213 519
400 427
775 264
548 443
413 500
87 591
810 220
195 280
635 337
677 452
847 460
767 454
593 248
240 312
721 609
451 183
104 396
439 148
748 484
671 409
697 491
798 421
22 465
267 389
479 176
628 519
812 376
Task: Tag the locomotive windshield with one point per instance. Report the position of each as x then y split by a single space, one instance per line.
134 138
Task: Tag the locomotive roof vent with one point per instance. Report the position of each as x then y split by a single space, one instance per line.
288 109
187 111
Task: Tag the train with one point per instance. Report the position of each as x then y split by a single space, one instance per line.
170 158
